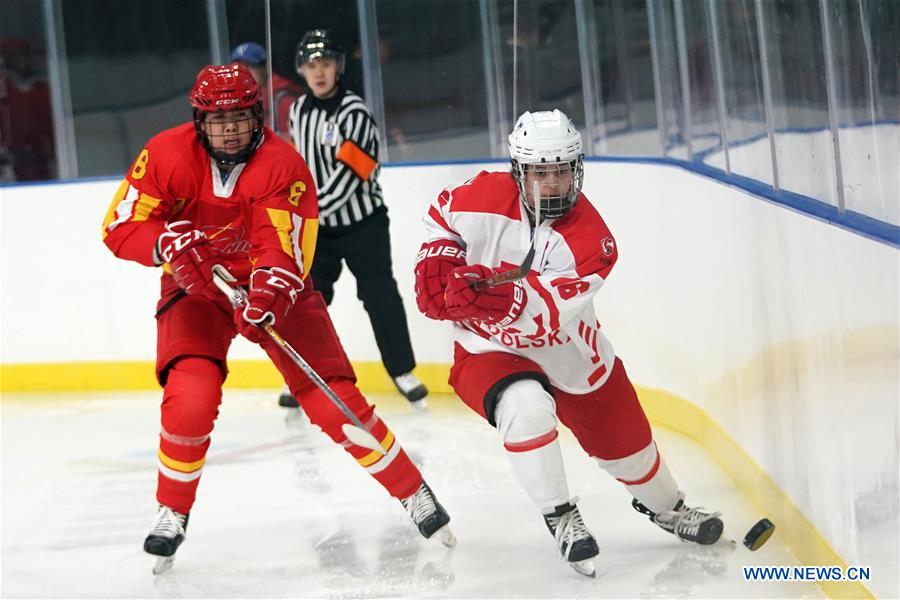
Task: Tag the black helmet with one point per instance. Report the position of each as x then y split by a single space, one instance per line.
319 43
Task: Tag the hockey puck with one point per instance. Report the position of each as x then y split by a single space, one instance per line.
759 534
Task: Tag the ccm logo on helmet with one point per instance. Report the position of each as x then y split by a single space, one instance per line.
226 101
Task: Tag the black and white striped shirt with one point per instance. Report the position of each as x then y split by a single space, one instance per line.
339 141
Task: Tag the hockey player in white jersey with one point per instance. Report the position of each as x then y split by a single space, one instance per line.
529 352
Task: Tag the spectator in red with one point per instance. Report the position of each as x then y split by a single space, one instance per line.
26 120
284 91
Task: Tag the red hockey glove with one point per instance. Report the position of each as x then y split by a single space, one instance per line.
433 265
273 292
499 305
189 256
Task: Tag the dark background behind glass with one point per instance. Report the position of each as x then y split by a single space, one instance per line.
290 20
26 123
130 66
433 79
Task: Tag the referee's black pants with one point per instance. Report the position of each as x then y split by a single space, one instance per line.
366 248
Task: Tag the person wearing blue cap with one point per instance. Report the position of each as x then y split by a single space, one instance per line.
284 91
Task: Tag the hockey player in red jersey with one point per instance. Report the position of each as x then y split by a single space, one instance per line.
224 190
529 352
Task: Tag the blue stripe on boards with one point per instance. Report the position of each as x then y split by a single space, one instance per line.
15 184
868 227
858 223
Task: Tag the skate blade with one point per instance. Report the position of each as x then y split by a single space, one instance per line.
163 564
446 536
419 406
585 567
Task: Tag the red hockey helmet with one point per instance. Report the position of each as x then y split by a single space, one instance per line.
227 88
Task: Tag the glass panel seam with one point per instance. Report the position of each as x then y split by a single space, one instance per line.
767 89
217 19
60 92
591 92
718 77
657 78
684 77
622 59
371 63
493 76
831 96
270 91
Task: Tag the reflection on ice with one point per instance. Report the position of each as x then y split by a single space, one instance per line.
691 565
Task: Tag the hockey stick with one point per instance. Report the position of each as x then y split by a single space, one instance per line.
522 270
355 431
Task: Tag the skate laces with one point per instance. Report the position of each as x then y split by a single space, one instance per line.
420 505
685 522
169 524
568 529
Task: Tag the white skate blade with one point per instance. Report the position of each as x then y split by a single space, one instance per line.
420 406
163 564
446 536
585 567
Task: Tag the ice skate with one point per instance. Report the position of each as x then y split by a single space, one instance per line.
686 523
575 543
412 389
428 515
164 538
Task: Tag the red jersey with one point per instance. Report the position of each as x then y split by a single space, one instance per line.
264 214
284 92
26 126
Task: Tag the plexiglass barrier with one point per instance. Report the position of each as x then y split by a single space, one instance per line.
799 95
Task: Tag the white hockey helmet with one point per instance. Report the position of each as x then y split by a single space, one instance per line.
549 139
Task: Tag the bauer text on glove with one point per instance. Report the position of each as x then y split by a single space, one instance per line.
433 265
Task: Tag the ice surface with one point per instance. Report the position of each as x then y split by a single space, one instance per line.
283 512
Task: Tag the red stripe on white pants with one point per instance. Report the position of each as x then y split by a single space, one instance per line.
646 477
532 444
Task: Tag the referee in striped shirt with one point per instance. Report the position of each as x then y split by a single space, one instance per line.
334 131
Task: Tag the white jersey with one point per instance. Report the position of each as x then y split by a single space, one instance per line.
558 329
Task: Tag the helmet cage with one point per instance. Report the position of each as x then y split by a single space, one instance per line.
547 141
227 88
231 158
552 205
